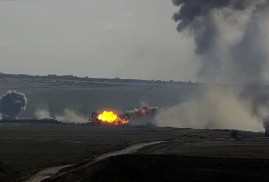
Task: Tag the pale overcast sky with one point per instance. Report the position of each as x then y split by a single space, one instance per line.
95 38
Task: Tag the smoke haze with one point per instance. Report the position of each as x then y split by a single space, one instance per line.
68 116
71 116
42 113
216 108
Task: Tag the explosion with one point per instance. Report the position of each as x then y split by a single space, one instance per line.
108 116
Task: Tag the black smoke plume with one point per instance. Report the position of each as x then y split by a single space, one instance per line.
231 39
13 104
246 56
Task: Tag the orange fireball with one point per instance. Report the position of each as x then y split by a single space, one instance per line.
108 116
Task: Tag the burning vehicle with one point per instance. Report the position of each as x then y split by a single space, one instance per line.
143 116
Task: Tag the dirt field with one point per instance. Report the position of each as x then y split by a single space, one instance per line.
147 168
185 160
27 148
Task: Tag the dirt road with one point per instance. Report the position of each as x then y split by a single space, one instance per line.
49 172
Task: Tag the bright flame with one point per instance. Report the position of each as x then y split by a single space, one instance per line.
108 116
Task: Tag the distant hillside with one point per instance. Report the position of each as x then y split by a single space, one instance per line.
84 95
75 78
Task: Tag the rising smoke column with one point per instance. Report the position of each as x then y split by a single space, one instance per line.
13 104
243 58
231 39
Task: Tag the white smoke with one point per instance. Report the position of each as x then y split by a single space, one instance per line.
71 116
42 113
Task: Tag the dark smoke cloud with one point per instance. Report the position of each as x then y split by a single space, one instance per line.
12 104
191 9
245 58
